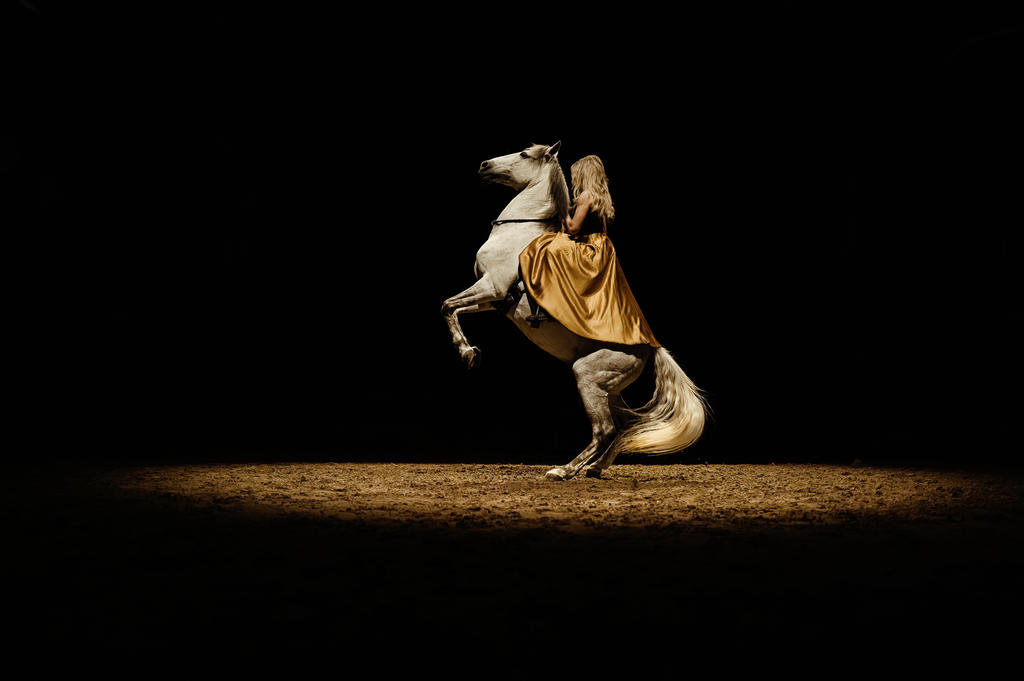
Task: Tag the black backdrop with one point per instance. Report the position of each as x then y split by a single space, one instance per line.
234 227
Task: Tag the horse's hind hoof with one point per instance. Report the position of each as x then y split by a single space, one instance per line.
557 474
592 472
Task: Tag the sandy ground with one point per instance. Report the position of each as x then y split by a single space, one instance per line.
493 558
515 497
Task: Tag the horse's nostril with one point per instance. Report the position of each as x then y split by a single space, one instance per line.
485 165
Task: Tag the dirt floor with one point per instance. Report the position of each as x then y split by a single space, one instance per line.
492 558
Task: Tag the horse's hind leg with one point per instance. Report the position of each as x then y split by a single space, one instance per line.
620 414
599 375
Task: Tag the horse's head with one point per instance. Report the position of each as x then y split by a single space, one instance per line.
518 170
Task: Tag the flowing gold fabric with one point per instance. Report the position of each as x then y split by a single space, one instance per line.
579 282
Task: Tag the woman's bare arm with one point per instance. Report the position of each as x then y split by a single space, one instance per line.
575 223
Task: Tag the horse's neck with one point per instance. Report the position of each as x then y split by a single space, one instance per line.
499 257
533 203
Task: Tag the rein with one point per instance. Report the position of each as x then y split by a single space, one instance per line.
495 223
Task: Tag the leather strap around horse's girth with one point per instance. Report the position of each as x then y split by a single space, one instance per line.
517 290
512 297
515 293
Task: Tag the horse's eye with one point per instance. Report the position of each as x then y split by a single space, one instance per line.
524 154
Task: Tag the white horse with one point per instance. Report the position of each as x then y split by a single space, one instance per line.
674 417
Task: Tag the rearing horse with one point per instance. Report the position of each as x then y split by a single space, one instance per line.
674 417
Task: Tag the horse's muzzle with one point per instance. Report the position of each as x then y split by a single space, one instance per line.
487 172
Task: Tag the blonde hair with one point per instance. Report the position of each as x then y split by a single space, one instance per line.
588 175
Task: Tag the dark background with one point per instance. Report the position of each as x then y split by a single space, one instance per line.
230 228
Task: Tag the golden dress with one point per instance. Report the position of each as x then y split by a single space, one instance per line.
578 281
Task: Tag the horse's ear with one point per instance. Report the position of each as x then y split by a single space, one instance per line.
553 149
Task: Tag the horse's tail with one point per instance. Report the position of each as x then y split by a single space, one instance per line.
673 419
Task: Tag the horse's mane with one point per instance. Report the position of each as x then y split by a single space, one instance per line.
559 188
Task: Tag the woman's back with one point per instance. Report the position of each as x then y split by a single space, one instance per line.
593 223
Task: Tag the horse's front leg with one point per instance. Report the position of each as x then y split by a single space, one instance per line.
477 298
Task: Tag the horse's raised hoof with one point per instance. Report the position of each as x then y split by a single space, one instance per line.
471 357
592 472
557 474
